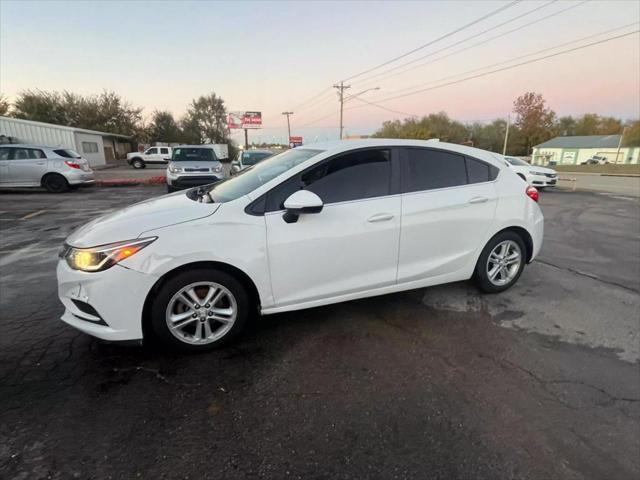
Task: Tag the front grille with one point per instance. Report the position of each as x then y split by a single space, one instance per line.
189 170
550 175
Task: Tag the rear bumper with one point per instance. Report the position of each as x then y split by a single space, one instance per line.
111 320
81 178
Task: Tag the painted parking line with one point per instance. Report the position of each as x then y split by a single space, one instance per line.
33 214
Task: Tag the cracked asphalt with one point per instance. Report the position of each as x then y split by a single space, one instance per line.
539 382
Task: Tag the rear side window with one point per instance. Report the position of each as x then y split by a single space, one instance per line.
27 154
353 176
479 172
67 153
430 169
164 151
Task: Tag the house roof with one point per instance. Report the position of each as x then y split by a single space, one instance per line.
64 127
582 141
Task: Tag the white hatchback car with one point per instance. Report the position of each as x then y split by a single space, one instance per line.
312 226
55 168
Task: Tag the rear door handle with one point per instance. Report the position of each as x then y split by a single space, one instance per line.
479 200
380 217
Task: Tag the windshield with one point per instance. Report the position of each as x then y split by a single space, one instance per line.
259 174
182 154
251 158
516 161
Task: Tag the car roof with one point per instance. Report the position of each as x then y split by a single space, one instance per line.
339 146
257 150
30 145
206 145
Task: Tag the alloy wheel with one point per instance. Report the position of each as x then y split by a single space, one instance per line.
504 263
201 313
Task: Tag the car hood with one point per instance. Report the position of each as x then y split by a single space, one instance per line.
131 222
536 168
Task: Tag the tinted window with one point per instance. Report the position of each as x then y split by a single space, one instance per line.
67 153
353 176
478 171
251 158
164 151
429 169
4 153
193 155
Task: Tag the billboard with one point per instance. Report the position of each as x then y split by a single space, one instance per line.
244 120
295 142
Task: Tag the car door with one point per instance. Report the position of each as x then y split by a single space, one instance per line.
448 204
5 152
152 155
352 244
27 166
165 155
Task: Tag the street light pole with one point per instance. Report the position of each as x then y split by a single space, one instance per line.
341 88
506 136
620 144
288 124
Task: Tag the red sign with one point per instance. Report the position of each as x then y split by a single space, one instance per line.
244 120
295 142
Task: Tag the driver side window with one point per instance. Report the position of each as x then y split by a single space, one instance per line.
352 176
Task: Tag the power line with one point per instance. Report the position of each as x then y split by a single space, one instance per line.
374 104
475 35
516 58
442 37
509 67
477 44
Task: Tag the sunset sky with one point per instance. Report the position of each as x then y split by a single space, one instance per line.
274 56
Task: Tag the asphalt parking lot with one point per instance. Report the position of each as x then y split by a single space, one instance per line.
538 382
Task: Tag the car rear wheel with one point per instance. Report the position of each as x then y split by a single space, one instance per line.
138 163
501 263
200 310
55 183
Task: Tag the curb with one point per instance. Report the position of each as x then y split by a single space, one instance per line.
131 182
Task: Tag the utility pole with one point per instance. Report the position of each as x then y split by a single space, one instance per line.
620 144
246 139
506 136
341 88
288 124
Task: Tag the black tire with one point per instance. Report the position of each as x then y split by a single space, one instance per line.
138 163
175 284
481 275
55 183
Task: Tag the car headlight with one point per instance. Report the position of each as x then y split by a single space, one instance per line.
534 172
217 169
174 169
100 258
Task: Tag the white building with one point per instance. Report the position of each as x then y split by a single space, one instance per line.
575 150
99 148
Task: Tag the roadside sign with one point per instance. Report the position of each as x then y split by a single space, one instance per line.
295 142
244 120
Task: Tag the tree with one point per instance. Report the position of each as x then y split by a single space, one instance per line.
534 120
435 125
40 106
566 126
4 106
489 136
206 119
632 135
164 128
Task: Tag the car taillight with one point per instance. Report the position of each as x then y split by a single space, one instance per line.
532 193
72 164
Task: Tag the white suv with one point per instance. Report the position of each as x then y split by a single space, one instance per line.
312 226
152 155
55 168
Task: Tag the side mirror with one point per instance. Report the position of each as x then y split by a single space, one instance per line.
302 201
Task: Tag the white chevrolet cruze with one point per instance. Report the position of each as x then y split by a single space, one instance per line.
312 226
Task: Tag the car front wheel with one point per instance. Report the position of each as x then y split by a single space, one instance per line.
200 310
138 163
501 262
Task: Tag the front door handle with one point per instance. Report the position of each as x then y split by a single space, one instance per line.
380 217
479 200
39 163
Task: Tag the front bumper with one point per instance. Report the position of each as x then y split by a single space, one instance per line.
186 181
116 295
543 180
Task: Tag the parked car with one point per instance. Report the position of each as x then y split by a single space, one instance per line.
193 165
315 225
152 155
540 177
248 158
56 169
596 160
